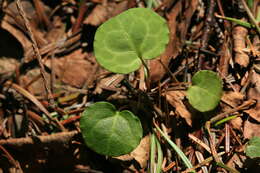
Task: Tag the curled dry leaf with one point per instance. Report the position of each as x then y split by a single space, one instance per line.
239 36
175 99
178 31
74 69
140 154
254 93
19 35
14 18
251 129
225 56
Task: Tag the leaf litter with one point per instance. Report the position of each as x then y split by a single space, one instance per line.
76 80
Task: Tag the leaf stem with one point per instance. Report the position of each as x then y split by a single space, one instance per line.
147 73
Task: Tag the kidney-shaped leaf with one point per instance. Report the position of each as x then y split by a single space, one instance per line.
206 90
110 132
122 41
253 148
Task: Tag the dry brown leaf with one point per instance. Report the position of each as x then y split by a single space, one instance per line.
235 161
224 59
254 93
98 15
19 35
37 87
140 154
74 69
178 31
251 129
175 99
14 18
254 112
239 35
101 13
8 65
233 98
237 123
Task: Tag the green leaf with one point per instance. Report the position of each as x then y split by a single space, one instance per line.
110 132
123 41
253 147
206 90
250 3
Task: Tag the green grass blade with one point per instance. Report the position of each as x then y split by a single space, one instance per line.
176 148
152 152
159 156
237 21
225 120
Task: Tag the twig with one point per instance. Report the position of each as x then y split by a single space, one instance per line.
207 30
245 105
35 49
82 11
214 151
41 14
212 143
198 141
204 162
11 159
251 16
62 137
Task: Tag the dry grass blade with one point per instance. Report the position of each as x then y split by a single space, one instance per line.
198 141
34 100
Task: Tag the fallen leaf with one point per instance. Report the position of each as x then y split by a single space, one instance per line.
254 93
14 18
140 154
101 13
251 129
233 98
175 99
225 56
7 66
37 87
235 161
237 123
178 31
74 69
239 35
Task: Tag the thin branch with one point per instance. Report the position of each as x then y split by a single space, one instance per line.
62 137
35 49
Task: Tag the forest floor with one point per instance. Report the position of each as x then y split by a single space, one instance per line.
49 75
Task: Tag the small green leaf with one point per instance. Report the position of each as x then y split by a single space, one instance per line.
206 90
121 42
110 132
253 147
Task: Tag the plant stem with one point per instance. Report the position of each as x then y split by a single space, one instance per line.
147 73
251 16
